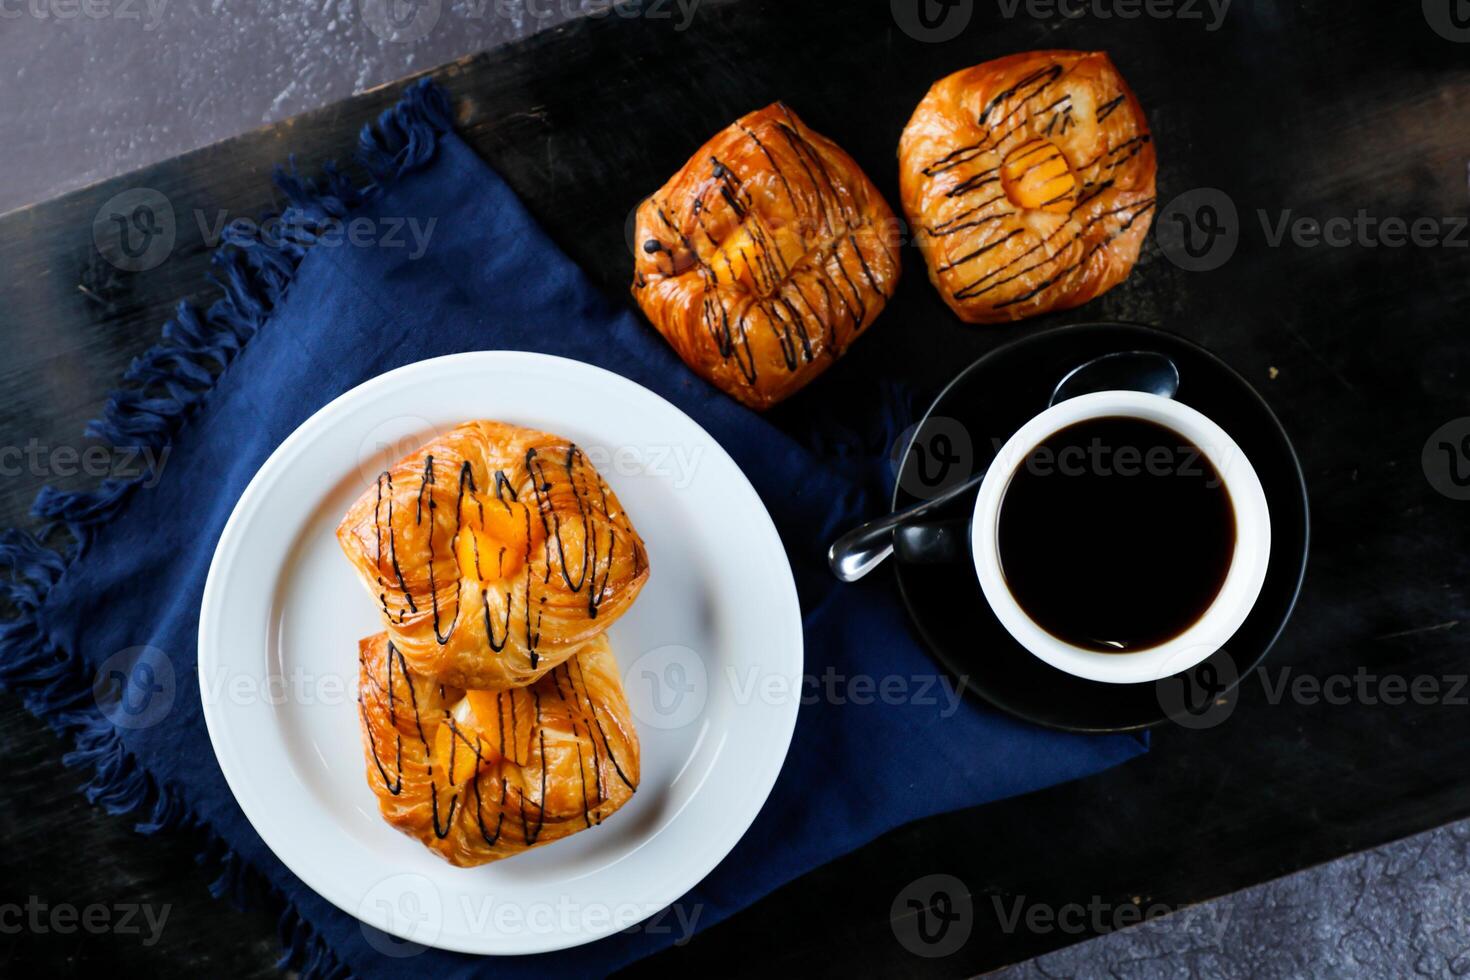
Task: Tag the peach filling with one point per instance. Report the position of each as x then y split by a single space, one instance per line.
492 541
455 758
504 719
1036 176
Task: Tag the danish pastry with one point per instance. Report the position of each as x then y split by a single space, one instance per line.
493 553
1029 181
480 776
765 256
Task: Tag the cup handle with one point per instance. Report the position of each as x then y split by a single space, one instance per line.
933 542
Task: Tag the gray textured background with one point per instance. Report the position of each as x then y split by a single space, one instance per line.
95 88
1397 911
87 97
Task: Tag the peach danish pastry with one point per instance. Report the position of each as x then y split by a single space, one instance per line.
765 257
493 553
1029 181
480 776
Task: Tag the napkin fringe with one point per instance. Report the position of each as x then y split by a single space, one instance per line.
30 667
158 392
53 685
255 270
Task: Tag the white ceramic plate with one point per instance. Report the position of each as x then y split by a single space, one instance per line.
714 633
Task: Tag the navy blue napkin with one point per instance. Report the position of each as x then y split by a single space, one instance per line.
104 648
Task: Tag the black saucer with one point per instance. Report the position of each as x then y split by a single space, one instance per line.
987 402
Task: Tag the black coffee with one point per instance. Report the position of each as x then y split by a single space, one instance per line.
1115 534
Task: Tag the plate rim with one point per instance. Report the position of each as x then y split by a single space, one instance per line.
701 863
1279 430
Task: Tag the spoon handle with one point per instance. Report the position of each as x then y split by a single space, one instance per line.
866 546
937 542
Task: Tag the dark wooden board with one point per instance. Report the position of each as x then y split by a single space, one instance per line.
1318 107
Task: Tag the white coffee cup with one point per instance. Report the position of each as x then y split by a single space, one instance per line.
1243 580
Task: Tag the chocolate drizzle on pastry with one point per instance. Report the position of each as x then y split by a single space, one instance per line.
387 477
551 559
386 689
485 735
765 256
478 777
1062 155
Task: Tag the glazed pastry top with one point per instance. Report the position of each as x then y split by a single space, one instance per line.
765 256
493 552
480 776
1030 183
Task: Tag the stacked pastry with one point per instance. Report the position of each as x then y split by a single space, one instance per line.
493 717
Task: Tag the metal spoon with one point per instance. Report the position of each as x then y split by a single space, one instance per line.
865 547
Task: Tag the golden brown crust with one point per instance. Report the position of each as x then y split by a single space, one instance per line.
492 553
765 256
480 777
1008 228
